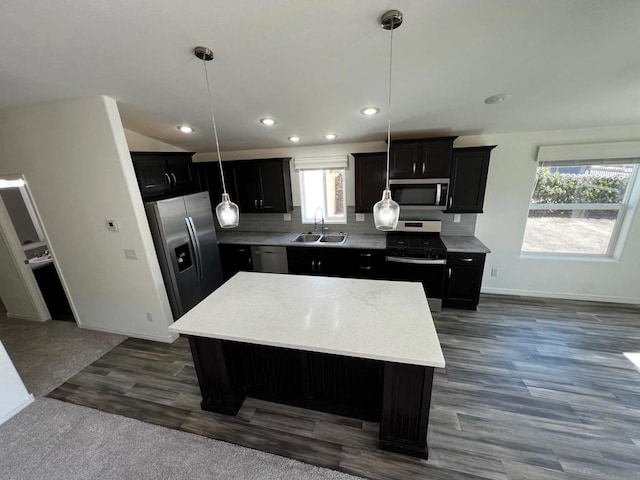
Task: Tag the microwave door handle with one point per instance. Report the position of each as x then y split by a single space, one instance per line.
438 193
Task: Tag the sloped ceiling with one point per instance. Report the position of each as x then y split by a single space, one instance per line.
313 64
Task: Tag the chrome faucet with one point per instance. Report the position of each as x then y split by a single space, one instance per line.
315 220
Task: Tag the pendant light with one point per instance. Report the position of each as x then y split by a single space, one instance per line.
387 212
227 212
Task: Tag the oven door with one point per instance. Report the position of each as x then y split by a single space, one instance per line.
429 272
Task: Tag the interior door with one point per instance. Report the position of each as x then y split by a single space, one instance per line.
199 211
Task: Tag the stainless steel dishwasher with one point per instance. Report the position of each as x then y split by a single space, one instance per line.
269 259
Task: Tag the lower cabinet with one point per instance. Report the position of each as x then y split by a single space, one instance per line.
234 259
463 279
336 262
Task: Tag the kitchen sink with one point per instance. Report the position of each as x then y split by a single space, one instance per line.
334 238
307 238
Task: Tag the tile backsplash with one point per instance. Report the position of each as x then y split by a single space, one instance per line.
274 222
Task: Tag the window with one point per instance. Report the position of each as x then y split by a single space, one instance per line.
577 207
323 189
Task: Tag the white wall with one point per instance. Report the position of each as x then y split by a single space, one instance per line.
14 395
75 159
501 227
140 143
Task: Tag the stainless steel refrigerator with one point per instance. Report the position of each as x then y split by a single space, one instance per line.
184 234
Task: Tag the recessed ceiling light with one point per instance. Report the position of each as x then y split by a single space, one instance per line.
330 136
499 98
368 111
186 129
294 139
267 121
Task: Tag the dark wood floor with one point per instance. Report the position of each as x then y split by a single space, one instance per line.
532 389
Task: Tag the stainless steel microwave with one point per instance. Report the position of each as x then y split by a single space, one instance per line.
420 193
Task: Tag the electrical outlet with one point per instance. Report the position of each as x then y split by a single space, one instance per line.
456 218
130 253
359 217
112 226
287 217
494 272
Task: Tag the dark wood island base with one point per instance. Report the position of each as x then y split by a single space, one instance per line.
396 395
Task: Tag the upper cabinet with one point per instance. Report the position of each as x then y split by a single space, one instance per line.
370 173
257 186
163 174
469 169
423 158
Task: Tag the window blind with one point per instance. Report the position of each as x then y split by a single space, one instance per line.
321 163
614 153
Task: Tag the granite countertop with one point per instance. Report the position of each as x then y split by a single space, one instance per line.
459 244
341 316
354 240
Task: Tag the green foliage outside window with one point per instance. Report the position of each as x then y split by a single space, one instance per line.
558 188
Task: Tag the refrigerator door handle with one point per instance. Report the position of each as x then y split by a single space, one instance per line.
195 243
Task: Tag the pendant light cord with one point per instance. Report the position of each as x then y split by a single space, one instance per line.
215 130
389 105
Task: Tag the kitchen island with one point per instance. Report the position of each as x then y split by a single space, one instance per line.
360 348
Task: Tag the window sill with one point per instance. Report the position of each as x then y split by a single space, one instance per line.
568 257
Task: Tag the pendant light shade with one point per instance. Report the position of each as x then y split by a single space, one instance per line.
386 212
227 212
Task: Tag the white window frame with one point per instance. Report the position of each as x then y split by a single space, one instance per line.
325 207
616 240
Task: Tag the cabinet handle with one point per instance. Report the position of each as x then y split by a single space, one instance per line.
365 268
166 175
449 273
319 265
450 201
255 203
424 166
313 265
365 254
467 259
250 261
261 203
175 181
413 169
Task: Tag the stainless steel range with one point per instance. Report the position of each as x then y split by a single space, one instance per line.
415 252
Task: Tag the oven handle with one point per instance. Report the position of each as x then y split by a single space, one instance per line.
415 261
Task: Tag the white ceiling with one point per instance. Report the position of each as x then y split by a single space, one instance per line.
313 64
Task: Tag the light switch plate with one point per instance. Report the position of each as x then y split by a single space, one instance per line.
287 217
112 226
130 253
456 218
359 217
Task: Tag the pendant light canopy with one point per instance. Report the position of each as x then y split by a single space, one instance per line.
227 212
387 212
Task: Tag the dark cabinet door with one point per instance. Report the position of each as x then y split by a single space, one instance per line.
463 280
234 259
301 260
370 170
272 198
365 263
151 172
180 172
421 158
406 160
249 189
164 174
331 262
469 170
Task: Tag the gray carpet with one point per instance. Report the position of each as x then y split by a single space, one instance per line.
47 354
56 440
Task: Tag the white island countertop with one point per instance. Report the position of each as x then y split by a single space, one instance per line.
376 319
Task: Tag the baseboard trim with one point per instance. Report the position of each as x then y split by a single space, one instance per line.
155 338
561 296
28 401
19 316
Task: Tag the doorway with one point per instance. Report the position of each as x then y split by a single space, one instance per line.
33 263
